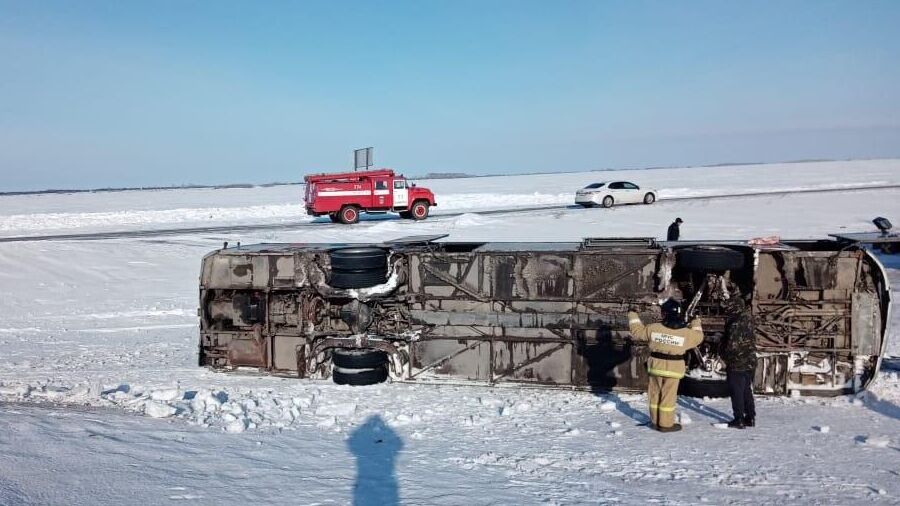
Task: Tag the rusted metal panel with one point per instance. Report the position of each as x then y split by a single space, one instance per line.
285 353
462 359
533 362
248 351
610 363
610 275
866 322
548 314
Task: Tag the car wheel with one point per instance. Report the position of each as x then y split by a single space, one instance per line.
649 198
360 377
358 358
419 210
709 259
607 201
694 387
349 215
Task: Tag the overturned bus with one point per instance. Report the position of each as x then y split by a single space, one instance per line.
423 309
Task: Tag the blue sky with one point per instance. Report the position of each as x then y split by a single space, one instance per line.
169 92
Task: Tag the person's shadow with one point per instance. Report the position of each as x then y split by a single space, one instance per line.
375 446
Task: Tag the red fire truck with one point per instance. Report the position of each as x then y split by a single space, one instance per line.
342 196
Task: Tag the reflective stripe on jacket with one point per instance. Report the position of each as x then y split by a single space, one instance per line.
664 340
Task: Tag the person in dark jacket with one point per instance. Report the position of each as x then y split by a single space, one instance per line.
739 354
674 231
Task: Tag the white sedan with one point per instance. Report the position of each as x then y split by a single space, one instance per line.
608 194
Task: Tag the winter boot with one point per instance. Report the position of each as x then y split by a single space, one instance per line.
736 424
749 421
674 428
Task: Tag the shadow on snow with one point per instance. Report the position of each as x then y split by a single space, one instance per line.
375 446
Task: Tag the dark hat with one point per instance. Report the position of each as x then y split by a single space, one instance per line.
678 220
670 308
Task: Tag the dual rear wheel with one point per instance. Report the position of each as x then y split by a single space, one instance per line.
359 366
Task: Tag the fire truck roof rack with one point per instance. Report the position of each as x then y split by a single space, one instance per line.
348 176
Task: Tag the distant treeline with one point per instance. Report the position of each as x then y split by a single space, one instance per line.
430 175
146 188
434 175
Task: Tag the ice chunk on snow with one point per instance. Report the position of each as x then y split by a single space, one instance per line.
607 407
169 394
684 419
824 429
876 441
614 425
206 402
344 409
158 409
15 390
303 402
52 392
236 426
490 402
722 425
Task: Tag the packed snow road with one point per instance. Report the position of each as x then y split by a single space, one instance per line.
102 401
208 210
236 229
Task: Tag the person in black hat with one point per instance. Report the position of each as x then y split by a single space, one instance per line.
674 230
668 342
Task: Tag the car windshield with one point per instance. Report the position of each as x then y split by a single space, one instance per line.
594 186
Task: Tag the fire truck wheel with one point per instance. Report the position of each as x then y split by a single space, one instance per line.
419 210
363 278
360 377
349 215
358 358
354 259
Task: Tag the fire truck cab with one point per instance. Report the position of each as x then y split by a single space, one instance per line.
343 196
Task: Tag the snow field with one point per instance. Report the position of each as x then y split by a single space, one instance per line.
98 373
143 210
531 446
